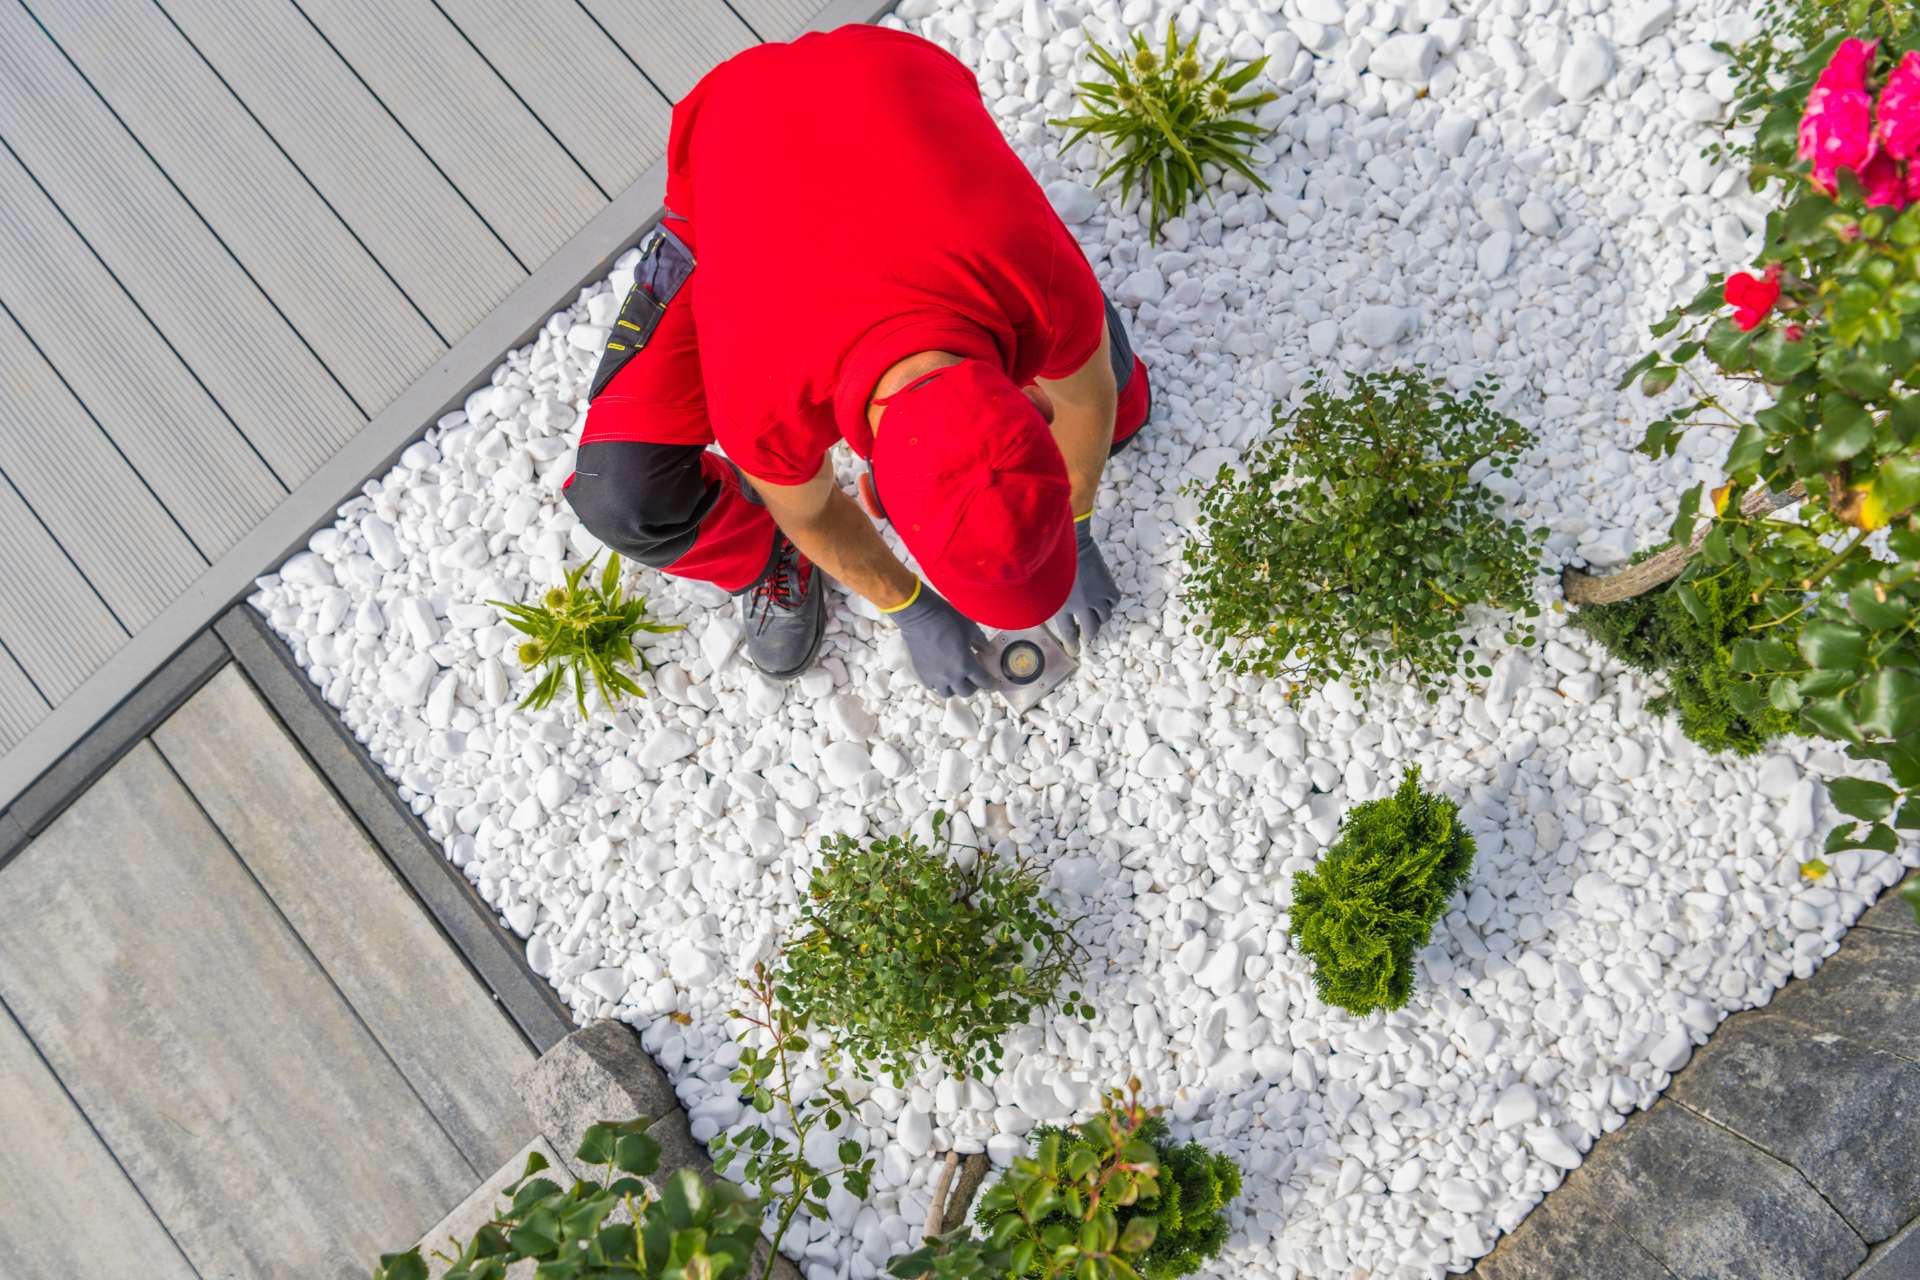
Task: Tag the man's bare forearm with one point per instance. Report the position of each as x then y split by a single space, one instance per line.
843 541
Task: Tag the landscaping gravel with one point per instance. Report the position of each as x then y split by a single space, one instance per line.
1524 219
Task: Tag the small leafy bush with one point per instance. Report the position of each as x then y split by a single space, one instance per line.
586 632
1068 1210
691 1232
1370 904
898 947
1188 1210
1164 116
1356 540
778 1165
1685 633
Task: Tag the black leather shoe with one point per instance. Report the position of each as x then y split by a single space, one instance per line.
785 614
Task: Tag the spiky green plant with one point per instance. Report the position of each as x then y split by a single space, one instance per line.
1187 1210
1685 633
1371 902
586 632
1163 117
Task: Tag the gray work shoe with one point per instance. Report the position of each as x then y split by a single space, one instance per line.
785 614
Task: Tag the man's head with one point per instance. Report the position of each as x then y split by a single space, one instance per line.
970 477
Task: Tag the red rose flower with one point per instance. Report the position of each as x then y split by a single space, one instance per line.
1751 299
1837 130
1900 108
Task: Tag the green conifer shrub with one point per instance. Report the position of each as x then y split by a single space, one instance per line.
1370 904
1187 1211
1690 646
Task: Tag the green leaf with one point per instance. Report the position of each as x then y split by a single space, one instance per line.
1910 894
596 1145
1690 598
1659 380
637 1154
1888 703
1638 367
1859 798
1832 644
1897 482
1727 345
1848 428
1778 359
401 1266
1813 868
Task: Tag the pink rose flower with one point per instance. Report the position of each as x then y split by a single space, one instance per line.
1837 130
1885 184
1900 108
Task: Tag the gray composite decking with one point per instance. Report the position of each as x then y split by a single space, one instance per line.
250 249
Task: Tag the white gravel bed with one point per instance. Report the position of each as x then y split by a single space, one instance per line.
1629 892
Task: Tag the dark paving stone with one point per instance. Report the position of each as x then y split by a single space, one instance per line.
1891 912
1839 1111
1567 1238
1869 991
1898 1259
1709 1205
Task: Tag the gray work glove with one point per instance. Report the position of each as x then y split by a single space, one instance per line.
940 643
1092 600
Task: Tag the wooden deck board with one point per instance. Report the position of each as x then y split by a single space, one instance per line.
575 78
51 620
531 192
21 706
355 914
357 321
777 21
675 44
383 186
189 286
64 467
154 409
238 1089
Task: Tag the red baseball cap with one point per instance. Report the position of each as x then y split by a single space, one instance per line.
971 479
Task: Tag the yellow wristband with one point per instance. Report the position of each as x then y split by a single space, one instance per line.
1078 519
917 584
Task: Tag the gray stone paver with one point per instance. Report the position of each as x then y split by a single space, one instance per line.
1698 1199
1891 913
1568 1238
1784 1149
1837 1110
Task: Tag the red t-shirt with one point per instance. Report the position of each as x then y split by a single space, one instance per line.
851 202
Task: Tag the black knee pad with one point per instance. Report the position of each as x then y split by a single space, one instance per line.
646 501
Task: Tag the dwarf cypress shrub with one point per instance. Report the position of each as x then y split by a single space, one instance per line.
1659 634
1371 902
1188 1212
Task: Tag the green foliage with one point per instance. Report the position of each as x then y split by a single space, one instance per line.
1661 634
585 631
1187 1212
778 1165
1370 904
1164 117
1356 540
1773 71
1838 358
1066 1211
691 1232
900 947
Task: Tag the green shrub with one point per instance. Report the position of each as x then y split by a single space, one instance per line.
586 632
1356 540
1371 902
899 948
1060 1213
1659 634
1166 116
691 1232
1187 1210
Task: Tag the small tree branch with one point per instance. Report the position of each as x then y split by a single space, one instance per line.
972 1174
1585 588
937 1211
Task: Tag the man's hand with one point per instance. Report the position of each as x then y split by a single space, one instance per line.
1094 595
940 642
836 535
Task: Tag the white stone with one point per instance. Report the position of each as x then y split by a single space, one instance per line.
1538 218
691 966
608 984
1405 57
1379 325
1073 202
1634 26
664 747
1407 1177
1550 1145
555 787
1517 1106
1452 133
1492 255
1586 68
1161 761
1698 105
915 1132
1777 777
1461 1196
845 762
307 569
1322 337
1672 1051
1144 285
718 640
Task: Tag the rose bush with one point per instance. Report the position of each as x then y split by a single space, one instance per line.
1831 328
